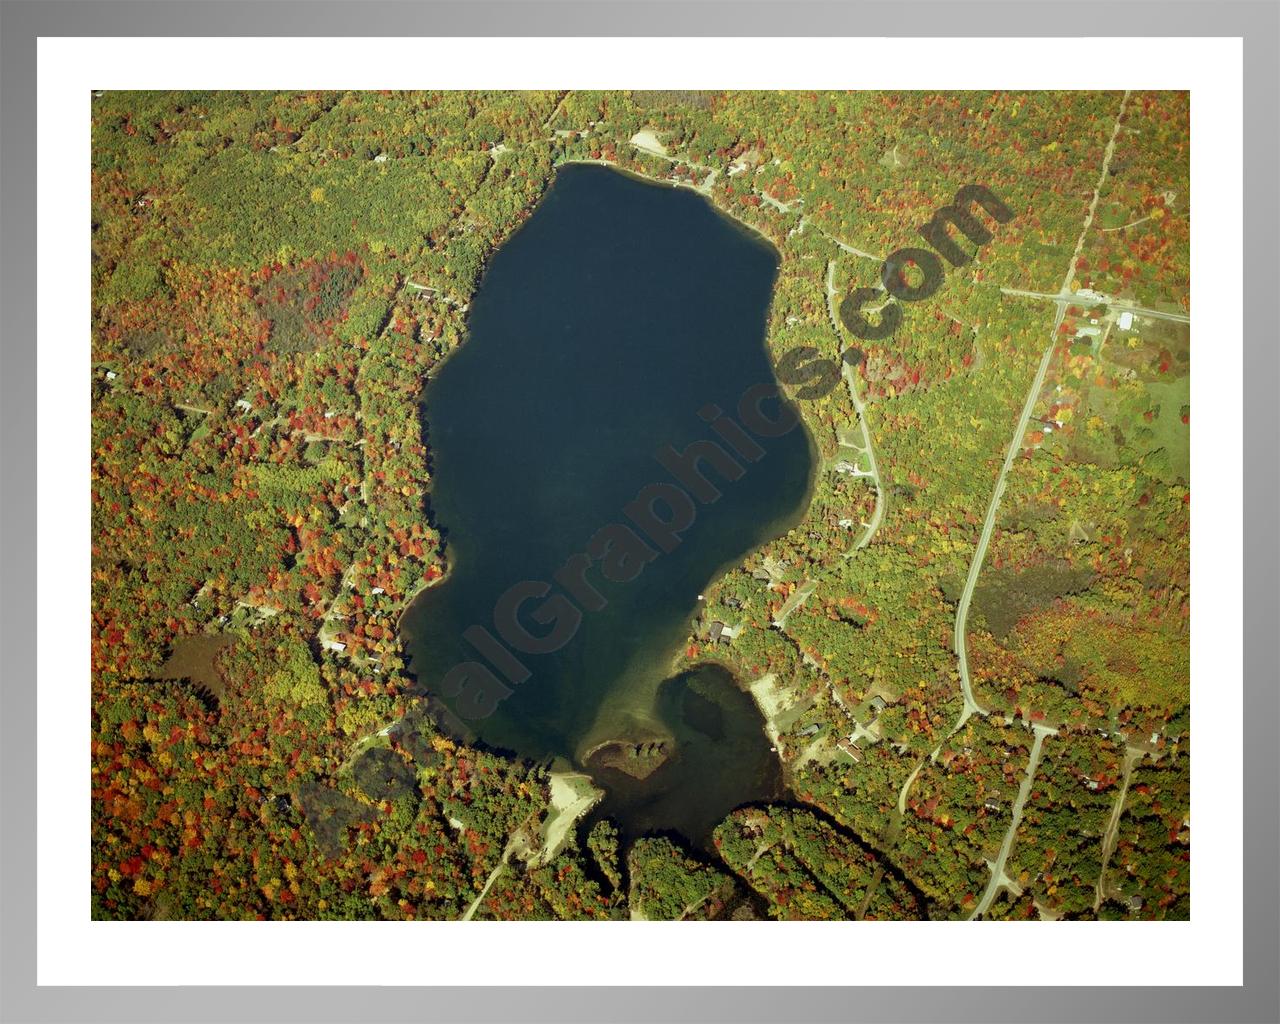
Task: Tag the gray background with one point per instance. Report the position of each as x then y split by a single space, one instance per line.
22 22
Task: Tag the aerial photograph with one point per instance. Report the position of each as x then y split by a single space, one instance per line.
640 505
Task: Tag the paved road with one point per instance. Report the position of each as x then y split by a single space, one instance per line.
850 375
798 598
1131 757
998 878
971 706
493 877
518 843
843 245
559 103
906 787
1065 298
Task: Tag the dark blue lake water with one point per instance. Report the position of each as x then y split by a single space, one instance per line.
604 327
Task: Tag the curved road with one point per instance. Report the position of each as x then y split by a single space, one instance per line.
851 382
849 374
971 705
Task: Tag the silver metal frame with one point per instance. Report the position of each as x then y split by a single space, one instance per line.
21 23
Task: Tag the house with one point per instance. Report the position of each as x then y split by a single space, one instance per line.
1126 321
337 646
1079 535
877 704
852 749
1135 902
993 805
748 161
810 730
771 570
243 406
724 633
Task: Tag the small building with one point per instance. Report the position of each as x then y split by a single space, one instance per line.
243 406
727 633
993 805
748 161
1126 321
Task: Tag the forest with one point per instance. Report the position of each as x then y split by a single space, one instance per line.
275 276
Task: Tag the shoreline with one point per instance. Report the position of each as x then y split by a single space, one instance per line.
676 664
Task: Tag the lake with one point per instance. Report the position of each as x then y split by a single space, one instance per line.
622 323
